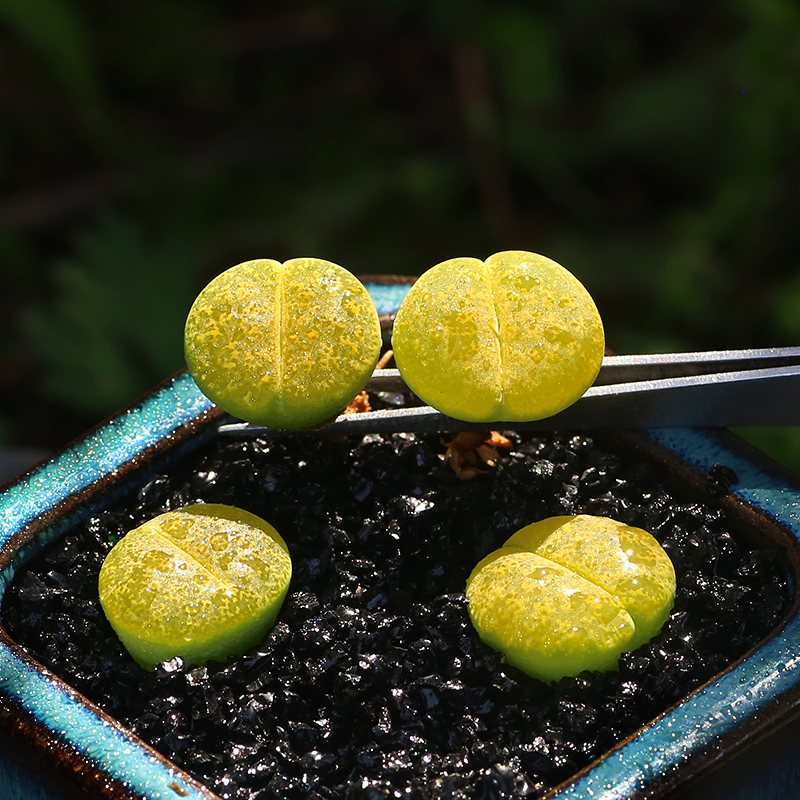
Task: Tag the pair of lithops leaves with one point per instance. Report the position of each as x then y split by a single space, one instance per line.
515 337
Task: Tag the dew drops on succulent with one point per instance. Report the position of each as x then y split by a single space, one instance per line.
283 345
201 582
513 338
571 593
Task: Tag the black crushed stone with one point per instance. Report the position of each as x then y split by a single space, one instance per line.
373 684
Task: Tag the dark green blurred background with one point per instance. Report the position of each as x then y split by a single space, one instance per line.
652 148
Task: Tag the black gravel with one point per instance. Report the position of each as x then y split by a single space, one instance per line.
373 683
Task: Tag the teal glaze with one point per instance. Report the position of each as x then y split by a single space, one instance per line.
763 489
93 458
103 744
635 770
96 457
387 296
123 438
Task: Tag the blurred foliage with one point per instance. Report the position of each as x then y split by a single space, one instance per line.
651 148
107 332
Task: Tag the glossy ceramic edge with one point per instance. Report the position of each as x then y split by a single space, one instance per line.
744 700
64 717
735 701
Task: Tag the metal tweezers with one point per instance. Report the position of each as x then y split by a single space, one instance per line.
720 388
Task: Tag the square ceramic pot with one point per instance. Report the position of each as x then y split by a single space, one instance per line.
54 742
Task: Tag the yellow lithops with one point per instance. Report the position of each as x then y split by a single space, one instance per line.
286 345
572 593
202 582
513 338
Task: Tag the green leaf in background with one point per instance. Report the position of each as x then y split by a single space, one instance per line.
114 326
